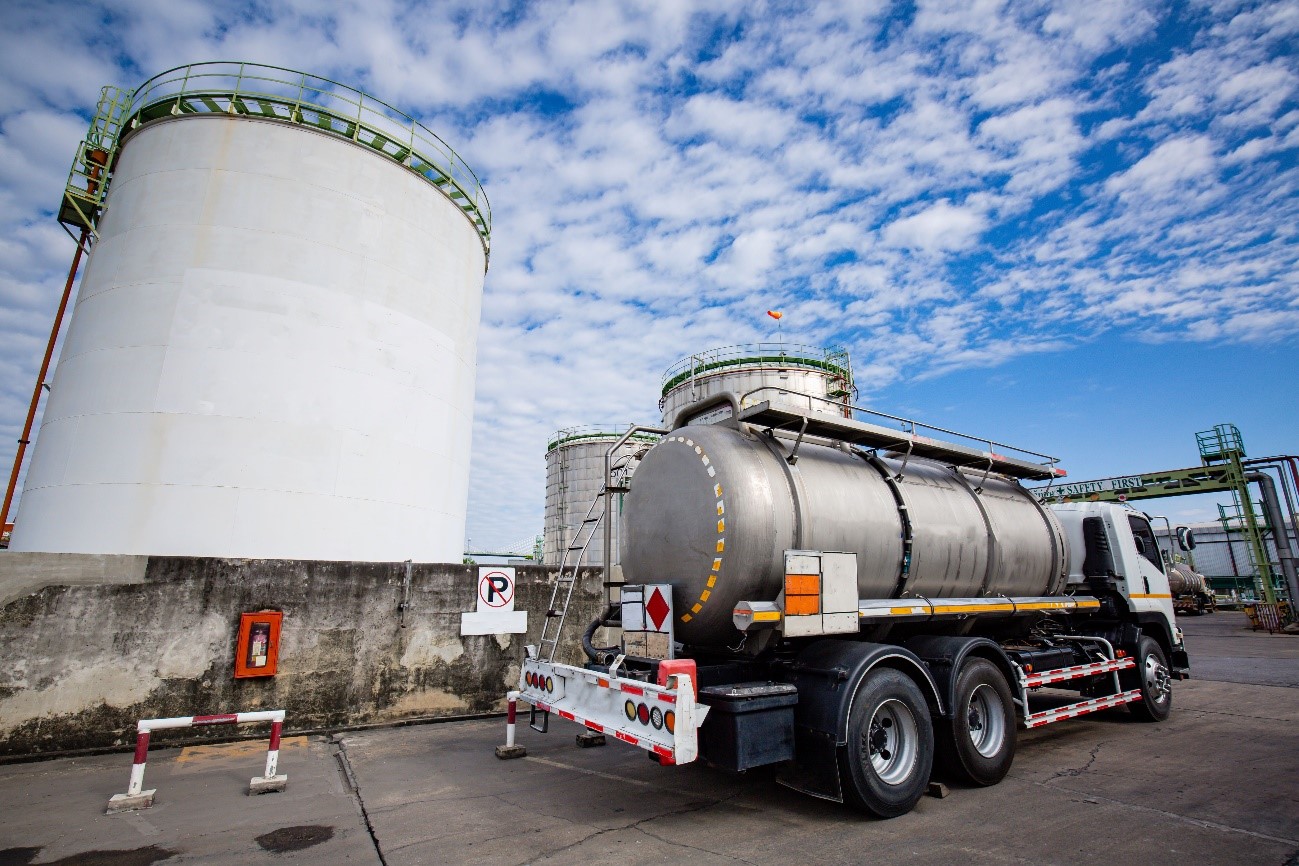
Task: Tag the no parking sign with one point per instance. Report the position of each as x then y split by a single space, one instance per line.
495 589
495 613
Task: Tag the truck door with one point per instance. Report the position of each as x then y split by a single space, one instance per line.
1147 583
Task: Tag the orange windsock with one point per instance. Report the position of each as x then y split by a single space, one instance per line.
775 314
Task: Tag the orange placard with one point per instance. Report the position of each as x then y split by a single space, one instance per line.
802 594
257 652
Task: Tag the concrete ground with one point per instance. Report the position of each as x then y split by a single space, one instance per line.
1218 783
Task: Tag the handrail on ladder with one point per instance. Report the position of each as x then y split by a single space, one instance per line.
608 508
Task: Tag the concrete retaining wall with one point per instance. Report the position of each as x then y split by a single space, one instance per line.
90 644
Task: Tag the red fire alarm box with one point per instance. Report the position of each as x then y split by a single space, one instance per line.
258 649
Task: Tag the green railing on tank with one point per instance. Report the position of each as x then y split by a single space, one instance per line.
276 93
593 433
832 360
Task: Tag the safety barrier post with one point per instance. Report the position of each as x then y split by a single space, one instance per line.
137 798
510 749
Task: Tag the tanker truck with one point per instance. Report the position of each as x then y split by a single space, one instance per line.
855 603
1190 590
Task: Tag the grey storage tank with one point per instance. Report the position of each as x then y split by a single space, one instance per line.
574 475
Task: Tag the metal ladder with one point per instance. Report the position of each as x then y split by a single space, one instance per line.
561 594
87 185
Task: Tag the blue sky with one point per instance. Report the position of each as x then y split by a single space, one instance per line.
1068 226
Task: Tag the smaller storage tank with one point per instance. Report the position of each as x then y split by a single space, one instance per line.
808 377
574 475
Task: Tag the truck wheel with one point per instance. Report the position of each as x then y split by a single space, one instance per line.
890 748
1154 680
978 743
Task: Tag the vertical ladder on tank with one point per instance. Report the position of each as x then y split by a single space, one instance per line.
561 594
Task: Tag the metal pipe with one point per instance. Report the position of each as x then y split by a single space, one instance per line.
1286 494
1280 537
25 438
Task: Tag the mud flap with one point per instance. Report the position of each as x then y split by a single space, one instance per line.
815 768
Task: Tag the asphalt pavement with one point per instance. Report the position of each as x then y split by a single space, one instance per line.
1218 783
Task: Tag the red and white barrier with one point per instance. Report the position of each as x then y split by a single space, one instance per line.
511 749
135 798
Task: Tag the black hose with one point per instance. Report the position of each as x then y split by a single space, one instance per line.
599 654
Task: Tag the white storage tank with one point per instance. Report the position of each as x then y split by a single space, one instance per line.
272 354
808 377
574 476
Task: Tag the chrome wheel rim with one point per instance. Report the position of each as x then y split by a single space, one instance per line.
1159 684
891 741
986 720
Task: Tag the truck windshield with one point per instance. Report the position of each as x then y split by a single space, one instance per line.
1145 537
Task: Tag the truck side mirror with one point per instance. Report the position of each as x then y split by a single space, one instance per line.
1185 538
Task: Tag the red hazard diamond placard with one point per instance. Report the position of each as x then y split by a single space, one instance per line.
658 609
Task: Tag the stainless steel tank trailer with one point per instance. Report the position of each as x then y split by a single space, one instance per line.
854 600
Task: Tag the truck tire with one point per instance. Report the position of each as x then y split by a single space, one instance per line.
978 743
1154 680
890 750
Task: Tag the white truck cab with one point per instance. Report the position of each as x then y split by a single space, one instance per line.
1112 550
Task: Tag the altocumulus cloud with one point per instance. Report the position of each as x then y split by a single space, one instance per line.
936 186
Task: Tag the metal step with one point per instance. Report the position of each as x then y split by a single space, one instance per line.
1074 672
1082 708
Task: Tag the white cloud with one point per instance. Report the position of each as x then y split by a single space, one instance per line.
945 191
943 226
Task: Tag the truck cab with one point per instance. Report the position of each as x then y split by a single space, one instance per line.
1113 555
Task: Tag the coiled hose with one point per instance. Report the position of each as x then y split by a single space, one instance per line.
601 655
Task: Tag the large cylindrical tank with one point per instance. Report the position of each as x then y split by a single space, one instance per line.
273 350
574 472
714 509
806 377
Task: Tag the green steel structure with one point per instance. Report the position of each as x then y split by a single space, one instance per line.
271 93
1222 452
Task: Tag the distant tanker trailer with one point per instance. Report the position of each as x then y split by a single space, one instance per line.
1190 589
851 601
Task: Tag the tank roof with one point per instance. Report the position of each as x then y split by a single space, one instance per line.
832 360
593 433
279 94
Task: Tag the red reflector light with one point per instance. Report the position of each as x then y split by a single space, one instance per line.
1122 654
642 713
